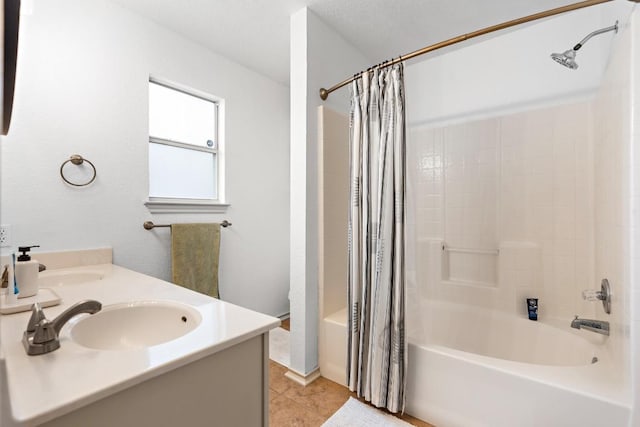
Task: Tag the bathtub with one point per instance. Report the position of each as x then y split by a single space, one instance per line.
477 367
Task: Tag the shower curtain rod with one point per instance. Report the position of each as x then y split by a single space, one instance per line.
324 93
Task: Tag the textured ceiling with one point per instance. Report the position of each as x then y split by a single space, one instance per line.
255 33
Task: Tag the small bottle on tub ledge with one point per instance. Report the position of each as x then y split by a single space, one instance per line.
532 308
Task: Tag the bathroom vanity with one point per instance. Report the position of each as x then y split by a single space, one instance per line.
156 354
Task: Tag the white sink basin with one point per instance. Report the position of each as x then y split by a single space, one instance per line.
61 278
134 325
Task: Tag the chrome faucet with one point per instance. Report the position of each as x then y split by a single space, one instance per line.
42 334
597 326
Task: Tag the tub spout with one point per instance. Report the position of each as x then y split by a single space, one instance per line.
597 326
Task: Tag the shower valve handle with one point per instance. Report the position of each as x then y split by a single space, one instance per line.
604 295
592 295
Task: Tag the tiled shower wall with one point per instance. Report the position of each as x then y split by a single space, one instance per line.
513 194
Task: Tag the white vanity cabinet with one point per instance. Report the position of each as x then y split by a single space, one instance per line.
226 389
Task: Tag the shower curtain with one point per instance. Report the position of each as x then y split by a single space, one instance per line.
377 349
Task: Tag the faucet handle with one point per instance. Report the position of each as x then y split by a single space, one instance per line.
45 332
604 295
5 276
592 295
37 315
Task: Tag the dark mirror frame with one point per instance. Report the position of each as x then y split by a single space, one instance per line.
10 42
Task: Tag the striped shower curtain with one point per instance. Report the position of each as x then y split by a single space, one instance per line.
377 349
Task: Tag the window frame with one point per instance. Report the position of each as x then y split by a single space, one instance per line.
188 205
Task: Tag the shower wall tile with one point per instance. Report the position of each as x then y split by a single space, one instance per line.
584 280
424 152
470 179
541 225
525 177
565 248
520 275
551 302
540 187
583 250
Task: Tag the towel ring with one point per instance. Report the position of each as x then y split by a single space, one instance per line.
77 160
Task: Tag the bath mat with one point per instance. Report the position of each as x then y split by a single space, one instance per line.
279 346
357 414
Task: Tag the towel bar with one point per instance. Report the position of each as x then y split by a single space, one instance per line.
149 225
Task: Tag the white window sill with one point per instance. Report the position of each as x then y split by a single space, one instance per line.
185 206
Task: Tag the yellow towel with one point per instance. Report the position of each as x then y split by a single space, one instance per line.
195 249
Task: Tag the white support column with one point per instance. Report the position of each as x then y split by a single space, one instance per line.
303 256
319 56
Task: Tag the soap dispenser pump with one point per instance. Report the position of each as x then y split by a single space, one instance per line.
26 274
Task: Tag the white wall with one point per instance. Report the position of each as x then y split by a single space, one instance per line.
319 58
82 80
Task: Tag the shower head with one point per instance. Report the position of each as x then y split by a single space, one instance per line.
568 57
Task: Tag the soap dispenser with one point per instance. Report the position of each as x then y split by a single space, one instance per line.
27 273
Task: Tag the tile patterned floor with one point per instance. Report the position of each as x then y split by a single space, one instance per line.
292 405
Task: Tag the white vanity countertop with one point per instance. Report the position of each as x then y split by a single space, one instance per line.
44 387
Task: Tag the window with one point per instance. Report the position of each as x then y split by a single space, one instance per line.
185 156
